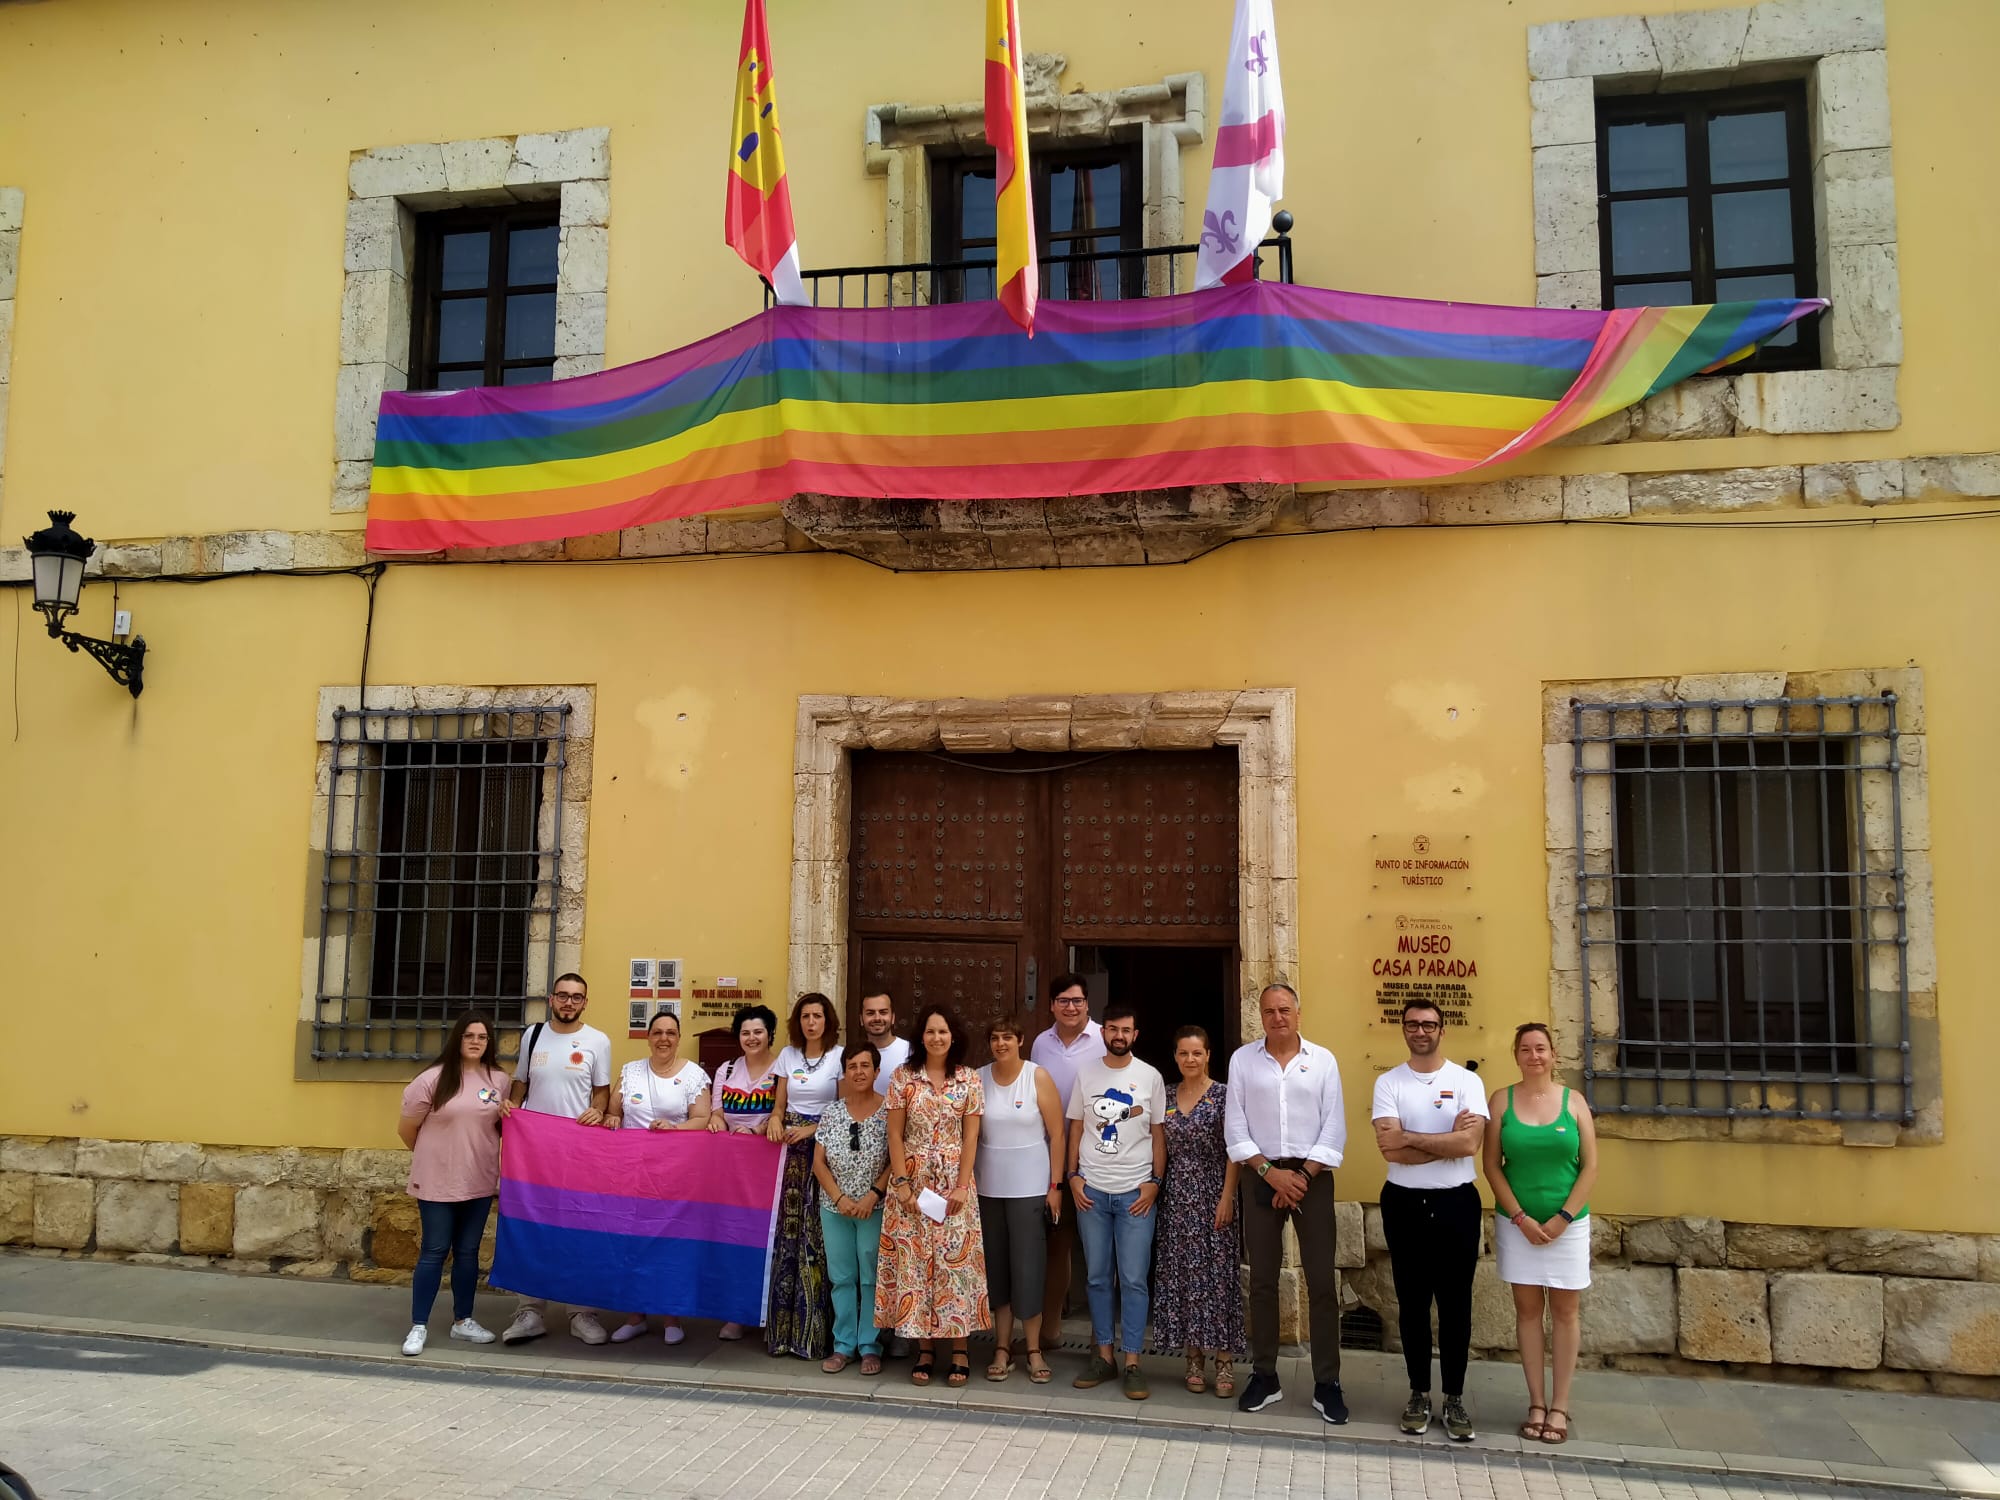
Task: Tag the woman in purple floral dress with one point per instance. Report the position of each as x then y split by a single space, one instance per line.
1197 1256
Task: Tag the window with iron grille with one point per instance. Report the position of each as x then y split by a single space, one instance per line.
1741 892
1708 198
1088 206
483 308
443 841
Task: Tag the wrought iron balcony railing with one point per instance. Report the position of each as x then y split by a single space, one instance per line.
1086 276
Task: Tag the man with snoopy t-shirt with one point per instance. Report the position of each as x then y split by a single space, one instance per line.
1117 1160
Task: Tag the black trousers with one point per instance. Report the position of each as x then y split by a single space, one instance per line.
1433 1236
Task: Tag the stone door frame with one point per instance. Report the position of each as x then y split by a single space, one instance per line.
1258 723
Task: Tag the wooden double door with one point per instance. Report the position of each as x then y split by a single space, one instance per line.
974 879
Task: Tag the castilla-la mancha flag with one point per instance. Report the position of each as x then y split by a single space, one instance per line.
757 216
1249 171
1016 273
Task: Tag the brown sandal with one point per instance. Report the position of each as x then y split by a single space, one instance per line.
1531 1429
1194 1381
1002 1366
1549 1432
1038 1368
1225 1377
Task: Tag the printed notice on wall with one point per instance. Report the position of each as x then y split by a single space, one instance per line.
715 1001
1426 956
1420 866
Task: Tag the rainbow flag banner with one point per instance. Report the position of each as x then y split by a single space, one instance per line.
1261 382
653 1221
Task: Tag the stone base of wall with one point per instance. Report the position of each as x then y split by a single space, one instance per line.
1883 1309
1878 1309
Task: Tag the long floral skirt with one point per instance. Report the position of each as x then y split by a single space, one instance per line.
800 1317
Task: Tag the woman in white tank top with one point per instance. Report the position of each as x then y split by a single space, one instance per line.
1020 1190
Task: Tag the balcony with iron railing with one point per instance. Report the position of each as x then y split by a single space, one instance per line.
1082 276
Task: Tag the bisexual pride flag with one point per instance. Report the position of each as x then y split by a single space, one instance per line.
652 1221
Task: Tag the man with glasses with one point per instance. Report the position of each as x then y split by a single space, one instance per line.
1285 1122
564 1069
1430 1119
1065 1047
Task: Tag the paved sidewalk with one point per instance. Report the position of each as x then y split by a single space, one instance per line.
1932 1443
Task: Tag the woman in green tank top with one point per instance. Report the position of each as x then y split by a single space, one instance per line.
1541 1164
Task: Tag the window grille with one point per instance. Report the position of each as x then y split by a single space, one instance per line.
442 873
1741 908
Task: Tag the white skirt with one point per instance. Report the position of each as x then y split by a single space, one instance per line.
1563 1264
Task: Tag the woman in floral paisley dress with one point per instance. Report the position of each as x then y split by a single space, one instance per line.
930 1281
1197 1296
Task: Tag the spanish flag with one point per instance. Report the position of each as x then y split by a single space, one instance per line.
1007 133
757 215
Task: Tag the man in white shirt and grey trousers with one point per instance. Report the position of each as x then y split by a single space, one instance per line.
1284 1121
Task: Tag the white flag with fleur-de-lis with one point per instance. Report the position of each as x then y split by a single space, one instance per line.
1248 175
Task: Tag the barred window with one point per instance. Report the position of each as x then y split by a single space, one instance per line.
1742 894
442 873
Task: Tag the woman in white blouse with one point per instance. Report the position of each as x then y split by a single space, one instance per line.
660 1091
1020 1174
800 1317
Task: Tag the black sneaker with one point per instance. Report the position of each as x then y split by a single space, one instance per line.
1457 1421
1261 1392
1329 1403
1417 1415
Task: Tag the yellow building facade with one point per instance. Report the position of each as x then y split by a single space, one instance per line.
206 214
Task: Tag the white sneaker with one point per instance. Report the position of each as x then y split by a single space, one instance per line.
418 1337
624 1333
675 1333
584 1326
527 1325
471 1330
730 1331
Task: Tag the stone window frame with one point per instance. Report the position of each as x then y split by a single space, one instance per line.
1258 723
1167 117
564 930
1838 47
387 187
13 203
1563 838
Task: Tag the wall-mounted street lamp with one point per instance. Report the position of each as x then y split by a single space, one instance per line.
58 555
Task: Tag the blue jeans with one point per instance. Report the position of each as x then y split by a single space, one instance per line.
449 1229
1117 1247
851 1246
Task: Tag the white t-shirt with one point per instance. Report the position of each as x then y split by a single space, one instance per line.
564 1069
1428 1104
645 1096
1117 1153
893 1057
809 1086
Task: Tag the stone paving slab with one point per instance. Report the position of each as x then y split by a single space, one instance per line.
1719 1426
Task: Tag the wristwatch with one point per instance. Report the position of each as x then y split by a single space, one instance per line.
1263 1169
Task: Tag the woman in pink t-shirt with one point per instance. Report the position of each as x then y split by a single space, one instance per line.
451 1123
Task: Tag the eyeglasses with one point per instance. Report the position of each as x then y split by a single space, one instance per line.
1424 1026
1070 1000
853 1136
